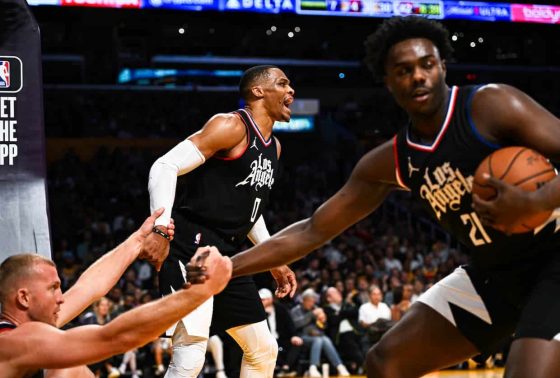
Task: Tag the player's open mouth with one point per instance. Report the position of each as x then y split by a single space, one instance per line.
420 95
287 102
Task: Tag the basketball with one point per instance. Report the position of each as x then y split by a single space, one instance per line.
519 166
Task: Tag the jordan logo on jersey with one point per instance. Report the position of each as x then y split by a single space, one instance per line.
254 145
444 187
261 174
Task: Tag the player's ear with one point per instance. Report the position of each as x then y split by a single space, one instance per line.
257 91
444 68
23 298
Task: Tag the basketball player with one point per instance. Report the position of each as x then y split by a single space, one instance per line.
33 306
221 203
512 283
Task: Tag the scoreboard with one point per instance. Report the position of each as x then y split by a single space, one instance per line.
371 8
437 9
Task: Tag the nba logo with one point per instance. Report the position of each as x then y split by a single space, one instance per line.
4 74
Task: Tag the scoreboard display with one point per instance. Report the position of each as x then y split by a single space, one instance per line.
371 8
437 9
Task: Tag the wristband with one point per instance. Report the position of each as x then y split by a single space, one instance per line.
161 233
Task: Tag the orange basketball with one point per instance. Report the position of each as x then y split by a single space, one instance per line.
519 166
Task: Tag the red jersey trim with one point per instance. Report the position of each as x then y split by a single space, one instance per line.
6 326
246 146
398 175
266 143
446 122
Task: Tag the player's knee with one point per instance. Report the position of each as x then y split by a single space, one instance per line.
187 360
381 362
176 371
264 354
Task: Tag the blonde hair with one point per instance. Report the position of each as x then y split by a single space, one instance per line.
18 267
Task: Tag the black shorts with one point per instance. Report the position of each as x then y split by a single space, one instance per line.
488 311
238 304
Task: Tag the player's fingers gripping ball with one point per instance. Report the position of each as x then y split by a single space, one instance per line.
521 167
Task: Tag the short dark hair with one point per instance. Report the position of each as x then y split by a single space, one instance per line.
397 29
251 76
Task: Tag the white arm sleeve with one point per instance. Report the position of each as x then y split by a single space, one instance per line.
259 232
181 159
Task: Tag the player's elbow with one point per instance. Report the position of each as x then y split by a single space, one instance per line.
161 169
126 342
315 236
163 165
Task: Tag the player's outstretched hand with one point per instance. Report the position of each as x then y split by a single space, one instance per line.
155 247
209 266
285 280
196 268
508 208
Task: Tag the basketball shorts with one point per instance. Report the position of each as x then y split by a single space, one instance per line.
238 304
478 305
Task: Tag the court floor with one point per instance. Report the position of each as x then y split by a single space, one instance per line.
486 373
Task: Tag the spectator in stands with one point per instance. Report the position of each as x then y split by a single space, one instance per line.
160 347
375 309
402 301
374 317
100 315
391 262
310 321
216 348
417 289
283 329
343 328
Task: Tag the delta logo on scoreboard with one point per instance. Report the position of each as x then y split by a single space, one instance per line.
261 6
102 3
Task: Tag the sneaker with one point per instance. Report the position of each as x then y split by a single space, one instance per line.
489 363
342 371
221 374
286 373
114 373
313 371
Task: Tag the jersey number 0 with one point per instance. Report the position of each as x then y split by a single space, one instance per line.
255 211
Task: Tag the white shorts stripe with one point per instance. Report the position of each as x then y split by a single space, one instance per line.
458 289
197 323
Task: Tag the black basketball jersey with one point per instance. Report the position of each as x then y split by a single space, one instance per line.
228 195
6 326
440 177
